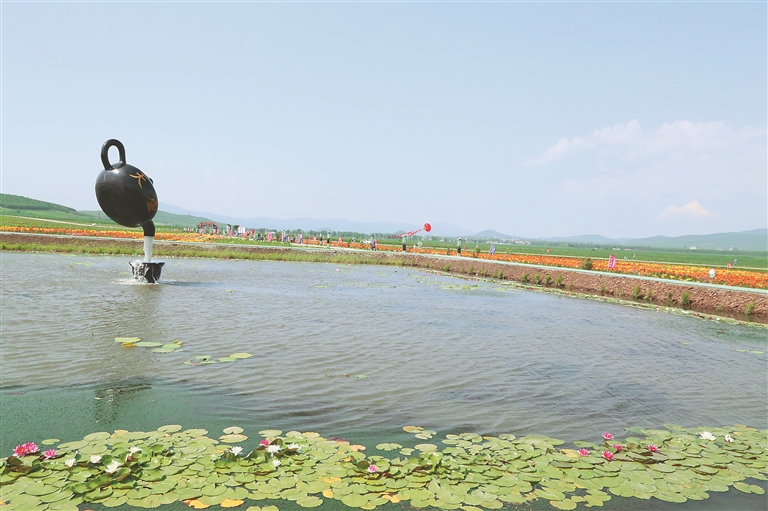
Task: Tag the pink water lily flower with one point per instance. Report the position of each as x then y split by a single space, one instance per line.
264 442
652 448
583 452
372 469
618 447
24 449
50 453
607 436
608 455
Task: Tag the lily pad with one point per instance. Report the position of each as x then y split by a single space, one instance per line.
233 430
241 355
127 339
148 344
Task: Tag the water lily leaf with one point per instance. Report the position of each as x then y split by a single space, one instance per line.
564 504
196 504
231 502
101 435
50 441
743 487
670 497
172 346
412 429
241 355
202 357
354 500
388 446
277 432
227 359
233 430
170 428
148 344
426 447
127 339
233 439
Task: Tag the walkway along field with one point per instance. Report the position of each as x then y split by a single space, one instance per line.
704 299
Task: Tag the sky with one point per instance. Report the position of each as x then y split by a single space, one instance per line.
533 119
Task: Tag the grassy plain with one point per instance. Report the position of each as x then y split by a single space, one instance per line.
712 258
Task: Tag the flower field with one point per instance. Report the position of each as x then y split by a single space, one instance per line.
679 272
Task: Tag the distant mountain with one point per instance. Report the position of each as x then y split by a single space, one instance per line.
755 239
490 234
313 224
587 238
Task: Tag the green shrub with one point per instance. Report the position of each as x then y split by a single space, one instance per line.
602 289
471 270
536 279
586 264
547 280
636 292
749 309
685 299
559 281
524 278
649 296
669 298
447 267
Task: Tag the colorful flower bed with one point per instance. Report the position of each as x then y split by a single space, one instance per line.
728 277
149 469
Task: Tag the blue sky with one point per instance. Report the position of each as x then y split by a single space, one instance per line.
534 119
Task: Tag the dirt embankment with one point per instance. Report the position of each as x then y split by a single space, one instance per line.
733 302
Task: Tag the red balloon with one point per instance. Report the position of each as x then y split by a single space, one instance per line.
427 227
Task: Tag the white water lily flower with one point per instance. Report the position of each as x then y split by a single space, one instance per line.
706 435
276 463
133 449
112 467
236 450
273 449
95 459
70 462
294 446
728 438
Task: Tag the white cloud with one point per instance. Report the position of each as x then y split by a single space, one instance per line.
620 134
692 209
673 139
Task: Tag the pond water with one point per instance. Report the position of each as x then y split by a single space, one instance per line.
417 349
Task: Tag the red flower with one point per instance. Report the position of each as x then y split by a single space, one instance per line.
608 455
652 448
618 447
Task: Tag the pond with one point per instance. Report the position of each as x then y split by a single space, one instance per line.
356 352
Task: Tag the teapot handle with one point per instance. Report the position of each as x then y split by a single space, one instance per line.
105 153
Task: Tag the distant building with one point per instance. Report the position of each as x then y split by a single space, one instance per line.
692 247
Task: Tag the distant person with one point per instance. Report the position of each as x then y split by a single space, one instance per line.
373 246
458 246
735 261
405 243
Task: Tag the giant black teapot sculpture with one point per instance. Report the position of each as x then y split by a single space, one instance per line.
128 197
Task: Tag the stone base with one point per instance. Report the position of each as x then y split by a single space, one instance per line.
146 272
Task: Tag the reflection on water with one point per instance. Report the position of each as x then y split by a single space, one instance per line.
429 350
